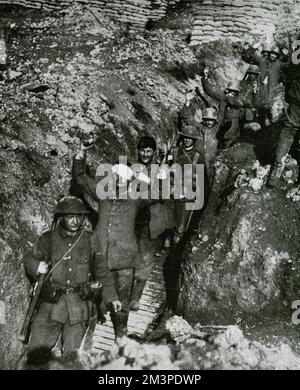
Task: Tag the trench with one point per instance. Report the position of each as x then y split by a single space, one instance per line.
40 132
33 44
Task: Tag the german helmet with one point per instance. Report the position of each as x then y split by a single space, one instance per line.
233 86
253 69
210 113
189 132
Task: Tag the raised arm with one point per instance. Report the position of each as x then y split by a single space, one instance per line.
87 184
210 90
251 54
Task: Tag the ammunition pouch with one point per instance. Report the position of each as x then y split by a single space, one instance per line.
90 292
87 292
51 294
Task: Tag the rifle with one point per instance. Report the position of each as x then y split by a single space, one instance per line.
23 337
37 289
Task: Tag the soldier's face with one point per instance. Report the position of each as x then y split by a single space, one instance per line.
252 76
146 155
265 54
188 142
72 222
231 93
209 123
273 57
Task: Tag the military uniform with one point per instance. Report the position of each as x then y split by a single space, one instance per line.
229 112
70 314
182 156
270 77
115 232
250 94
291 124
151 222
210 144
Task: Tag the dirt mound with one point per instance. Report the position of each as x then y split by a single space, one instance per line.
245 261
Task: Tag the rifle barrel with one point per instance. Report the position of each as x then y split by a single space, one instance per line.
31 309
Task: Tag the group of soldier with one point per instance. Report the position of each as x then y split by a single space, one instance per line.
119 252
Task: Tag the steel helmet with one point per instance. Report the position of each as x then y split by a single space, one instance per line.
253 69
189 132
275 49
233 86
210 113
70 205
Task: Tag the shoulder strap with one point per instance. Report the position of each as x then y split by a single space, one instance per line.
65 254
187 155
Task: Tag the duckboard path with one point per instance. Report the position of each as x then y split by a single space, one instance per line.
153 300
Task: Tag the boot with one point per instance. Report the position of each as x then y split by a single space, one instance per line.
138 288
274 179
119 321
165 249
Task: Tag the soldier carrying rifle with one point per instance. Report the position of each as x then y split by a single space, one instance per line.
69 262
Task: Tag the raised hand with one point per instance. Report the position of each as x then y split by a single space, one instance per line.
42 268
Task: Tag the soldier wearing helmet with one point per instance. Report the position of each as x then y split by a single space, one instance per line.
271 74
209 117
209 133
253 72
233 88
251 98
229 108
71 262
274 53
189 150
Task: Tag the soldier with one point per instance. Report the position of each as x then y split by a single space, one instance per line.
188 151
116 233
291 124
250 96
69 258
190 114
209 131
151 222
229 108
271 69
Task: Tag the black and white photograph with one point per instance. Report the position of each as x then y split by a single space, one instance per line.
149 188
